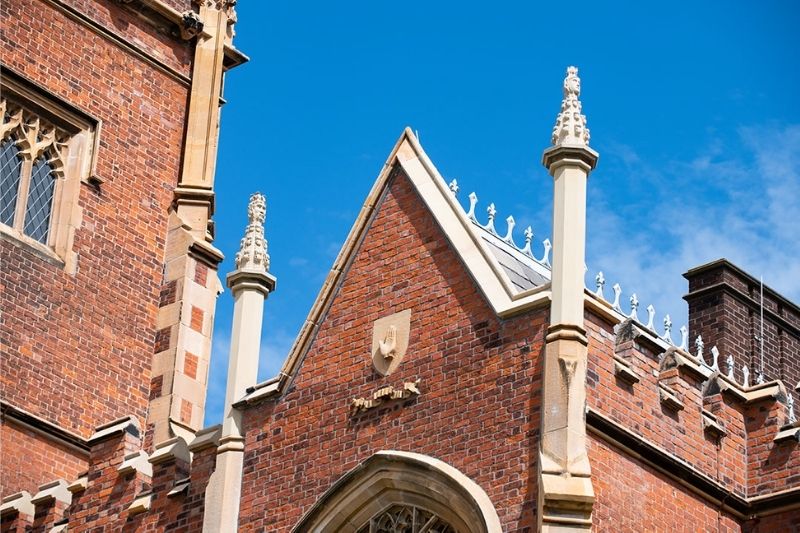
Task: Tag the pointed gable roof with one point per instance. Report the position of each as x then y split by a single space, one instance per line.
510 279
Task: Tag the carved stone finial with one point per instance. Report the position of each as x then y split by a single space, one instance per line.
791 418
684 338
746 376
570 128
714 358
252 254
730 364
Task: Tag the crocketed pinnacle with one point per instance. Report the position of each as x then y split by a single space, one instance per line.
252 254
570 128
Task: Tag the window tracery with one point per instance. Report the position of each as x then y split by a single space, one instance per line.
32 153
406 519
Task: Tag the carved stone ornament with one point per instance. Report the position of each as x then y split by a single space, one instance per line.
410 389
191 25
570 128
252 254
390 341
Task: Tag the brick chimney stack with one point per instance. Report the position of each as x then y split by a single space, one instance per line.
725 308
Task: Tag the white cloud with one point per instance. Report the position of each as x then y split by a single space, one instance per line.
740 201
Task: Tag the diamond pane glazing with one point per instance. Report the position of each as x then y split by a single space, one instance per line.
10 170
40 201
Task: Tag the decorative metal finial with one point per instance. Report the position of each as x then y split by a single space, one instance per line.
791 418
617 293
453 185
634 307
545 260
570 128
509 238
473 202
491 211
684 338
745 376
760 379
714 358
600 282
667 330
729 363
699 345
252 254
528 238
651 316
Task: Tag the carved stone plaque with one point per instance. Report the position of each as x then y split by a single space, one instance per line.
390 341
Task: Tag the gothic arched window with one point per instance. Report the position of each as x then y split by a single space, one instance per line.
46 152
402 492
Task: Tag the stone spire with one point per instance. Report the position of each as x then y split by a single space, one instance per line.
570 128
566 496
252 254
250 284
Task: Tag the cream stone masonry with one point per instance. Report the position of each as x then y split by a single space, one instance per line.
566 496
250 284
179 406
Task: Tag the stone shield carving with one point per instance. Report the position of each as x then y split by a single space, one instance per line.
390 341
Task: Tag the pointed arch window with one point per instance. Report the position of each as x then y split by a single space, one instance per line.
46 151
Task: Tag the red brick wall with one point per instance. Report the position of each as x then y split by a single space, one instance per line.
28 460
77 348
631 497
478 410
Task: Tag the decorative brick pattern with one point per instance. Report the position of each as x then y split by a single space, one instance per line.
169 293
186 411
161 342
197 317
190 365
200 273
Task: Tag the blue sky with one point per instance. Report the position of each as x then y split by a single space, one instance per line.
692 106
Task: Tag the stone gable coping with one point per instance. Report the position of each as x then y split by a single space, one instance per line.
17 503
55 490
136 462
127 424
171 450
206 438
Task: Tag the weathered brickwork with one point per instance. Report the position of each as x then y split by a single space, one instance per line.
28 459
86 340
478 410
632 497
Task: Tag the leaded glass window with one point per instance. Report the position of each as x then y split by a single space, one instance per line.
406 519
31 163
10 172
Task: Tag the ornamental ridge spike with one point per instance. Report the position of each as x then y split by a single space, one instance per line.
760 379
491 211
730 364
545 260
252 254
745 376
473 201
651 316
714 358
570 128
528 238
667 330
634 307
617 293
453 186
791 418
509 238
699 345
684 338
600 281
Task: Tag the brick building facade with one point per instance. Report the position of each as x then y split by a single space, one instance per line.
446 379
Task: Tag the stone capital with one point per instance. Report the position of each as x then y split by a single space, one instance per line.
259 280
561 155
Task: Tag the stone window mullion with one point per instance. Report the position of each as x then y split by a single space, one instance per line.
24 189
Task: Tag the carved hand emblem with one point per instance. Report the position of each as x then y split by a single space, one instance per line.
388 346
